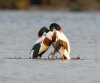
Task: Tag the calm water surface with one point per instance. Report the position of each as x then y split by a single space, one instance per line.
18 32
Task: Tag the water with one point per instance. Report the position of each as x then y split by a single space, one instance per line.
18 32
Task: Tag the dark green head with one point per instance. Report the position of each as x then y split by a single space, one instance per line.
55 26
42 30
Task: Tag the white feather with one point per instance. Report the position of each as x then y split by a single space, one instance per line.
61 35
31 54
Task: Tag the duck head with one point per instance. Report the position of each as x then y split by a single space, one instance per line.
41 31
55 26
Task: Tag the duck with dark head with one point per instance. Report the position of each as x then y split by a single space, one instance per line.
61 44
59 41
44 43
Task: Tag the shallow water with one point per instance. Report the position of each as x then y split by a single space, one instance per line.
18 32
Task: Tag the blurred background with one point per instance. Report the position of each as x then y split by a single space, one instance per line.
71 5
